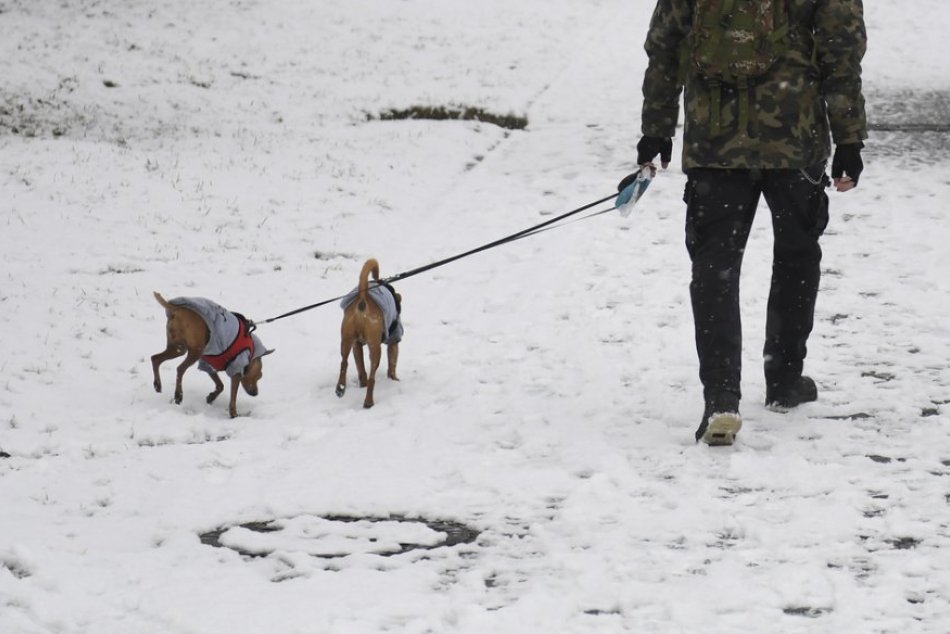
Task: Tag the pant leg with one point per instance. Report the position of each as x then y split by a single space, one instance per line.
799 207
720 207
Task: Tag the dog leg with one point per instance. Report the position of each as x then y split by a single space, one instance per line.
189 361
375 353
345 346
172 351
232 405
360 364
392 356
218 388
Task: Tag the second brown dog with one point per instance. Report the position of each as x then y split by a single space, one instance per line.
218 339
371 317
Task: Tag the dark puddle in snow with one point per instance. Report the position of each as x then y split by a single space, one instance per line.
453 534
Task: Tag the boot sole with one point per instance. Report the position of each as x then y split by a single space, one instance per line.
722 429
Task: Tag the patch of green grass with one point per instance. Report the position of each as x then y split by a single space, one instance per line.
462 113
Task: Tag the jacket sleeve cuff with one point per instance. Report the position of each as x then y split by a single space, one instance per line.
663 128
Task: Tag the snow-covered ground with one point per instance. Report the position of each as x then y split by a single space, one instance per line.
229 149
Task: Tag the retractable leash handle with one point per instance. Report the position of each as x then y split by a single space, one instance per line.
632 192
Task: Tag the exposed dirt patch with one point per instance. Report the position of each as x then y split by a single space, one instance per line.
462 113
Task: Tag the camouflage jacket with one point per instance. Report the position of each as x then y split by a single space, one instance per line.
810 96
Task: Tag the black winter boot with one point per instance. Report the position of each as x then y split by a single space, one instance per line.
781 396
721 421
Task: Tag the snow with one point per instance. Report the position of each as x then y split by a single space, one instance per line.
548 391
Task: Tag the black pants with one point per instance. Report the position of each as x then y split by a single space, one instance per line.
720 207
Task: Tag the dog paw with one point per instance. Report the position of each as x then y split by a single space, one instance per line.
157 386
367 404
340 390
178 398
211 397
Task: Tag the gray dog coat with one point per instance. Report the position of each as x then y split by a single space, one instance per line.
231 348
385 298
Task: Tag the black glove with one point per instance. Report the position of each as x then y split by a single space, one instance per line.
647 149
650 146
847 161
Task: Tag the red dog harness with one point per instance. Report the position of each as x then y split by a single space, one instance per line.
242 341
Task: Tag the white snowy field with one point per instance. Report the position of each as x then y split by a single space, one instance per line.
548 394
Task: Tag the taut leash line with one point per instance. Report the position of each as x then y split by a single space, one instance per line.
538 228
510 238
297 311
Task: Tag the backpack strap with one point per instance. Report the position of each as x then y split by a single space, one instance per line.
715 85
743 95
781 11
715 107
725 20
725 16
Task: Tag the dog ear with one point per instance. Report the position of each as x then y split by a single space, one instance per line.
267 352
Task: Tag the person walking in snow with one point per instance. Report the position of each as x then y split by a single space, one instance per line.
768 85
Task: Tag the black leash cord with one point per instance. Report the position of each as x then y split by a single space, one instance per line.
560 226
544 226
511 238
299 310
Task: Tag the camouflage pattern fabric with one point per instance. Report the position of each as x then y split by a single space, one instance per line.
737 39
811 95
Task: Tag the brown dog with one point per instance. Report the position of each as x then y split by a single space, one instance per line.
370 317
219 339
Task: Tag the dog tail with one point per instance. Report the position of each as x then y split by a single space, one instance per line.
161 300
371 266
